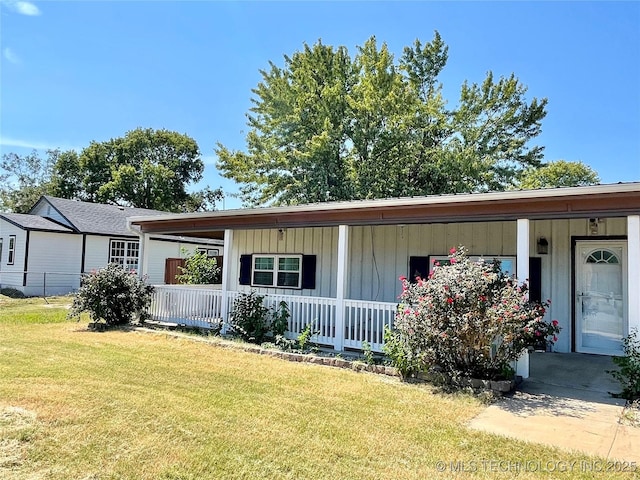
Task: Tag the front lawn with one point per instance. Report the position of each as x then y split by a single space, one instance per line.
83 405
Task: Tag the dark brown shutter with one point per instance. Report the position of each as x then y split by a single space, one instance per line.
308 271
245 270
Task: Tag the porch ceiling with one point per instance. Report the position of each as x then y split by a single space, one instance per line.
580 202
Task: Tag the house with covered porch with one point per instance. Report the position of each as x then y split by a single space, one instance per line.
337 264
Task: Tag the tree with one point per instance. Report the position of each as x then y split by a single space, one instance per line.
327 126
25 178
560 173
199 269
146 168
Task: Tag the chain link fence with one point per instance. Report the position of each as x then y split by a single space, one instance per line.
40 284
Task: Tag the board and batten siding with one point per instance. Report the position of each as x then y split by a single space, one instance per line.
59 256
11 275
380 254
319 241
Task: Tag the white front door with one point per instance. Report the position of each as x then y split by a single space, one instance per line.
601 296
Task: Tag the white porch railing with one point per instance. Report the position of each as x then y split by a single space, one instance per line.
202 307
319 311
186 305
365 321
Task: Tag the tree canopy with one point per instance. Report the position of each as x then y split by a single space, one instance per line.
560 173
24 179
146 168
328 126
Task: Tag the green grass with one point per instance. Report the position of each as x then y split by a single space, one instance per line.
130 405
33 310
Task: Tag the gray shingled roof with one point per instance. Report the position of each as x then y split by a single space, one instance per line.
96 217
34 222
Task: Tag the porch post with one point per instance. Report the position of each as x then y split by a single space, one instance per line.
633 270
226 277
522 266
341 283
522 251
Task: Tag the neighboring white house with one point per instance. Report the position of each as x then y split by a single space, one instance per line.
59 239
337 264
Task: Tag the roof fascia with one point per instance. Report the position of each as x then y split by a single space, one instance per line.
21 227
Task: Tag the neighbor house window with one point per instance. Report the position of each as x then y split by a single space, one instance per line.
209 252
12 250
507 264
277 271
125 253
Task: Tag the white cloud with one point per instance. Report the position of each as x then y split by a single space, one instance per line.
209 159
14 142
23 8
10 55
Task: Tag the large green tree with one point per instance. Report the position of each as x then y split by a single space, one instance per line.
327 126
560 173
146 168
25 178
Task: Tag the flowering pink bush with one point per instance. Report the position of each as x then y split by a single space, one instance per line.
468 319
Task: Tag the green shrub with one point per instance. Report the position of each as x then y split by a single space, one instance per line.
468 319
304 338
12 293
199 269
250 317
112 294
367 353
629 373
281 317
398 350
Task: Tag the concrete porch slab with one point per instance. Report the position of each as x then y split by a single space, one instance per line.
565 403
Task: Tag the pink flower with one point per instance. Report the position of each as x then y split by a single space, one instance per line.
452 250
446 287
555 339
538 334
452 261
402 278
449 300
555 323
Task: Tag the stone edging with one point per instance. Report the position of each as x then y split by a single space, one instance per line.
328 361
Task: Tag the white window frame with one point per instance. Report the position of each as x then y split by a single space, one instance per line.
209 252
276 270
11 251
126 259
444 259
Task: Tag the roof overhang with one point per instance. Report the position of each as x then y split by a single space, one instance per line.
575 202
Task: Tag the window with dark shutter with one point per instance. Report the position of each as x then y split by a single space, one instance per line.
278 271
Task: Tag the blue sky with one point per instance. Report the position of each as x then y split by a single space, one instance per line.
73 72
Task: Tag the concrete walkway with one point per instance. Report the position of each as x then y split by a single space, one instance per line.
565 403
